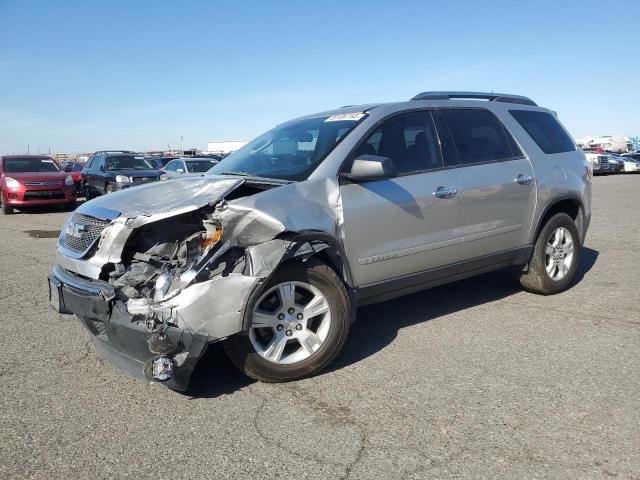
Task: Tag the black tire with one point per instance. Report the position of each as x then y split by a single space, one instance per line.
243 355
88 195
6 209
536 279
70 206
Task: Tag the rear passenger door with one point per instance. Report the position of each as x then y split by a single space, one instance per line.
498 184
401 226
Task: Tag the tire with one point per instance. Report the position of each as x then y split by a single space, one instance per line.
6 209
297 361
545 280
70 206
88 195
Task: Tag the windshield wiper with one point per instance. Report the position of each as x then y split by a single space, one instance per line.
239 174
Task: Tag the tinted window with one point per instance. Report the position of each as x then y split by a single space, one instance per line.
172 166
545 131
409 140
199 166
23 165
478 135
127 162
449 153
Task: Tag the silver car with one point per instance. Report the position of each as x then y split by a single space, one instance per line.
187 167
273 250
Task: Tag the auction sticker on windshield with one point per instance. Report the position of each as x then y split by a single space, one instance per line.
345 116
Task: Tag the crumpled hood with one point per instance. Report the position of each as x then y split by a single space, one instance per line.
166 197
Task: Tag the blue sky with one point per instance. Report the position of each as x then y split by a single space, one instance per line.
84 75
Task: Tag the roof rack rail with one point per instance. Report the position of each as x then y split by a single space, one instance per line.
492 97
112 151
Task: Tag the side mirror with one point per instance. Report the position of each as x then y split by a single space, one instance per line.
179 170
370 167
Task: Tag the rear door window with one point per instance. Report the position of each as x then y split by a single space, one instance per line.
478 135
545 130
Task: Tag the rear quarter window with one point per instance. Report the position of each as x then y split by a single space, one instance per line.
545 130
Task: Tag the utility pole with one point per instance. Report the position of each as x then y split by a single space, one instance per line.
182 145
28 149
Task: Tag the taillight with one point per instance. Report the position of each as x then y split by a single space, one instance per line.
589 172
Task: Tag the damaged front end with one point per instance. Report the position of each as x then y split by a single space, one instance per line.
171 271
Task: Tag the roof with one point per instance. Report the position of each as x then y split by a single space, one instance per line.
34 157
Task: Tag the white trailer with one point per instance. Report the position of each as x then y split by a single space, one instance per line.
226 146
612 143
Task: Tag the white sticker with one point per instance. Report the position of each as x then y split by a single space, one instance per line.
47 161
355 116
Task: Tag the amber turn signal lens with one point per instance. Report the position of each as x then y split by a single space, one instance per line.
213 238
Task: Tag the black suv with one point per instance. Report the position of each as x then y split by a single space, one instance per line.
108 171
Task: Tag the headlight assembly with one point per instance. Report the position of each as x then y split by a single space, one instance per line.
122 179
12 182
68 180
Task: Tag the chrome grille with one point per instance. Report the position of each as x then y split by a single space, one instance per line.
603 159
82 231
143 179
43 184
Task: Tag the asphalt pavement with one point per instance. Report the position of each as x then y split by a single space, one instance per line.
476 379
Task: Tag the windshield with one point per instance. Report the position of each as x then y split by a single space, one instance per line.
291 151
123 162
199 166
77 167
24 165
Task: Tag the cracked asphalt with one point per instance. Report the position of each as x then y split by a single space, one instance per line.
477 379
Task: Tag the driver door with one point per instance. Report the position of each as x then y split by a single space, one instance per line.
396 228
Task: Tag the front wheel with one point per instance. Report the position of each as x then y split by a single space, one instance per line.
299 324
555 257
6 209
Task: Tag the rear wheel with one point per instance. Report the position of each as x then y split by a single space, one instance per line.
555 257
6 209
299 324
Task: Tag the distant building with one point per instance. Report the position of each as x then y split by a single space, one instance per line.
226 146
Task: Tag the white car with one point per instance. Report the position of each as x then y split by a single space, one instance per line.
631 165
187 167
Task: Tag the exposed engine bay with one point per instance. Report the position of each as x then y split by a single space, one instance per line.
196 270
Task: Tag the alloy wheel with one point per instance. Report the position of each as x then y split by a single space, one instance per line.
559 254
290 323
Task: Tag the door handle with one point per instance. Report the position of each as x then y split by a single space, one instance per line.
523 179
444 192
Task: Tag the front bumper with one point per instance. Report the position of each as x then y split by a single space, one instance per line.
123 186
121 339
27 196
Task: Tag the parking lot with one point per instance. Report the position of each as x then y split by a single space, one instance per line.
477 379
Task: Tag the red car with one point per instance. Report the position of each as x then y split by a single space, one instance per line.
75 170
33 180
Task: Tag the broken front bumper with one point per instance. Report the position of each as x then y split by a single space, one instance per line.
120 338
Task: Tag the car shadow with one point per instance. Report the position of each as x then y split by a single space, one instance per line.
40 209
378 325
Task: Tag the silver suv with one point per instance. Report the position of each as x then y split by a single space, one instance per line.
276 246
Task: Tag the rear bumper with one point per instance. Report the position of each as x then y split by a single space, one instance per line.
120 338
